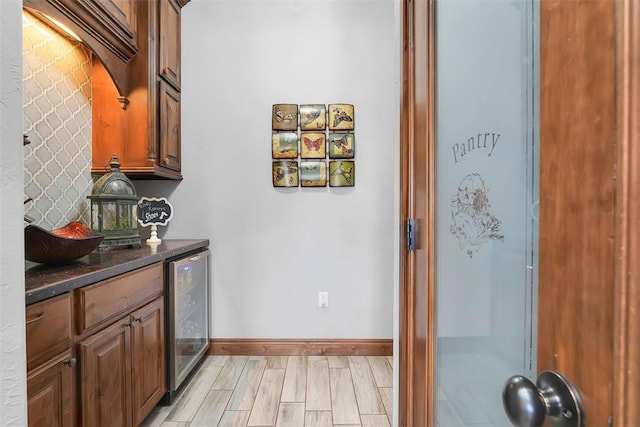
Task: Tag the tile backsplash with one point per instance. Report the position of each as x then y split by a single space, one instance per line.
57 121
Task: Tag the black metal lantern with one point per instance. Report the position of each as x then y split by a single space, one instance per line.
114 208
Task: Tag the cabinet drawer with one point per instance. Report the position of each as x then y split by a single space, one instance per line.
48 329
114 297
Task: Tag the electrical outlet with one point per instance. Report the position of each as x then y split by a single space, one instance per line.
323 299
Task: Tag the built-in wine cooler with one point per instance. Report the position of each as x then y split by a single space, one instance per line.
188 316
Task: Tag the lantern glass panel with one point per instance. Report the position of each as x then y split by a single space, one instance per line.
109 217
95 216
133 215
123 216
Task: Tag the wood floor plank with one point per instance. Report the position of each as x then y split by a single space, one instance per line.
381 371
343 398
367 395
301 392
295 380
265 407
245 391
211 409
338 361
386 393
318 419
290 414
273 362
218 360
230 373
375 421
318 390
234 419
188 402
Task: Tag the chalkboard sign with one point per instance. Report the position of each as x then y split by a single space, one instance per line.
152 211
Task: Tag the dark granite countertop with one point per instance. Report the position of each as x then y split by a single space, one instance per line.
44 281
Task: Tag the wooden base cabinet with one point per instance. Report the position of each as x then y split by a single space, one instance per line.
50 389
121 347
105 360
50 365
123 369
148 359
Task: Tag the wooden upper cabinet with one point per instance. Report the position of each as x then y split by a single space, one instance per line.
121 14
107 27
169 127
145 134
169 49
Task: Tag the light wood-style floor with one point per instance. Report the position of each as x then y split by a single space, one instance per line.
284 391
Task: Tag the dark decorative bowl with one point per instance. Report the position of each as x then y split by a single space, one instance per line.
47 247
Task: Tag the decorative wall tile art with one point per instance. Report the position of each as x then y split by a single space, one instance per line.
313 145
342 173
313 173
313 117
284 145
341 145
341 117
300 139
285 173
284 117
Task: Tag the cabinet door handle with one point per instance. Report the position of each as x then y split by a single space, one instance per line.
138 319
39 316
71 362
128 325
165 160
165 71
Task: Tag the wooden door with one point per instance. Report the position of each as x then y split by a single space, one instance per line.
589 213
148 359
105 366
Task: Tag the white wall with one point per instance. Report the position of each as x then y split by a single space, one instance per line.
274 249
12 342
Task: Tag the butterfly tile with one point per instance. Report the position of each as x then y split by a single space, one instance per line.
342 173
341 145
284 117
313 145
285 173
284 145
341 117
313 117
313 173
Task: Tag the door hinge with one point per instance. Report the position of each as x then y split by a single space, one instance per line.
411 234
610 423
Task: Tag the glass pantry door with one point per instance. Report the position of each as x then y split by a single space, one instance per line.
486 198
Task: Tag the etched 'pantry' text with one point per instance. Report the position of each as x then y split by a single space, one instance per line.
482 141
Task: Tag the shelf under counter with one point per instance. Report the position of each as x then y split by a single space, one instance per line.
43 281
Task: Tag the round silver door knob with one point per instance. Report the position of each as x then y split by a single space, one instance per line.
553 398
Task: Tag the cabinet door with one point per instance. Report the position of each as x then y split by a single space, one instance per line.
169 127
169 48
120 13
50 393
148 358
106 377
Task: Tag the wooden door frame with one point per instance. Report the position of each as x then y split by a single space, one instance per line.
417 332
416 359
626 369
